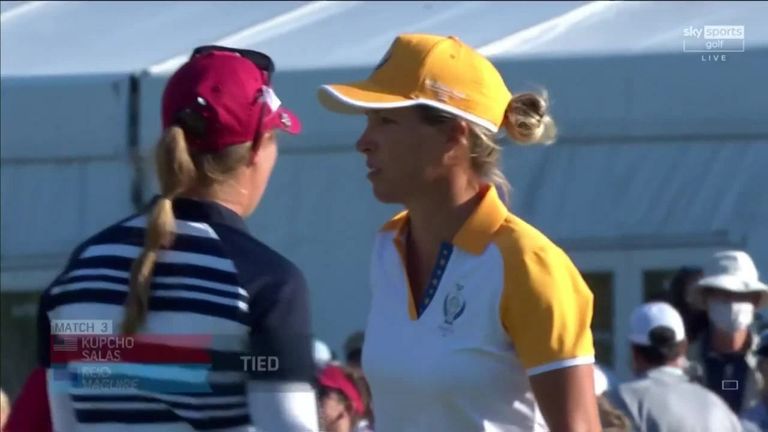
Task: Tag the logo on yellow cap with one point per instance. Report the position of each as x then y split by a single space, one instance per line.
442 92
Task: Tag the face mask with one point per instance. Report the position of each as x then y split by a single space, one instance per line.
730 316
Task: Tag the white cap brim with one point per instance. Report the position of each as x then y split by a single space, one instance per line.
729 283
357 98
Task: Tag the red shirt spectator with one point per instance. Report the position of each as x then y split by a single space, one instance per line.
30 412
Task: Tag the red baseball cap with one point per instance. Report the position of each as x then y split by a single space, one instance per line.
333 377
222 97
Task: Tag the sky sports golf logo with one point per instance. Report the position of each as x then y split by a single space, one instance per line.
714 41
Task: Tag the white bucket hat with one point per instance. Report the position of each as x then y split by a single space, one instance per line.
731 271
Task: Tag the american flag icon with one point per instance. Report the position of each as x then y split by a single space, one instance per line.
65 343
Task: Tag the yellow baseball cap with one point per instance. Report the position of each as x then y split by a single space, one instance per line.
439 71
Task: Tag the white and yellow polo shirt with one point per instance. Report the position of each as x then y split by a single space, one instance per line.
504 303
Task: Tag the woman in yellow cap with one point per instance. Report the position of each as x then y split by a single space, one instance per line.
478 322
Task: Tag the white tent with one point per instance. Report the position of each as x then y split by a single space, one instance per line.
660 161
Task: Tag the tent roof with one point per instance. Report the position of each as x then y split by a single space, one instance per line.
53 38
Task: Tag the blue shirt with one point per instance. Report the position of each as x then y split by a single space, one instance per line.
756 418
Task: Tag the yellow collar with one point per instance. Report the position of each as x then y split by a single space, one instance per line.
476 233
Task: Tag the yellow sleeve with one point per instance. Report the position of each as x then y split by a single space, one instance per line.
546 309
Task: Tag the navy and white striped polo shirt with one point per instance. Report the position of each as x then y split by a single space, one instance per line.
217 291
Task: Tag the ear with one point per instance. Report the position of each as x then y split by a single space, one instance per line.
254 155
266 137
456 140
458 132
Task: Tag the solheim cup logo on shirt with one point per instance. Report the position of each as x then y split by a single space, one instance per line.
453 306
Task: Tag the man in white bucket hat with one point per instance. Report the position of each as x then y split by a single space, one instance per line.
730 291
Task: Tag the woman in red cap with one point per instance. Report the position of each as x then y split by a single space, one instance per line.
341 401
210 326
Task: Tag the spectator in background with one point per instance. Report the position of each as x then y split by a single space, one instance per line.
696 322
342 406
756 418
366 421
730 291
5 409
353 350
611 419
322 353
679 293
662 399
31 411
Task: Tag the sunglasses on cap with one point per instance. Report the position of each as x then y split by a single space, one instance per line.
261 60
